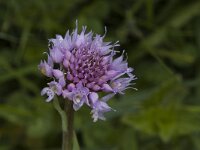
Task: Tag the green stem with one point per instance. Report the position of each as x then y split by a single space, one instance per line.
67 117
61 112
70 124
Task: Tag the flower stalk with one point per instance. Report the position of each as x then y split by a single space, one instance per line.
67 118
68 138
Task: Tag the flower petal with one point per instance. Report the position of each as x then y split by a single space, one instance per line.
93 97
107 88
67 94
44 91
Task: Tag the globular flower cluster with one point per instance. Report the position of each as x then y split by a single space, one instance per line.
81 66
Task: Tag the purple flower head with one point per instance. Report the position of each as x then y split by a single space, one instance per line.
81 65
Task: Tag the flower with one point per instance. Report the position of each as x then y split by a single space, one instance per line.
99 107
81 65
54 88
78 95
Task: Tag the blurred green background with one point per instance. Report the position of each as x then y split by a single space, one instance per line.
162 40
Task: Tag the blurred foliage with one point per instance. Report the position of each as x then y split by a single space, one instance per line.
162 39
